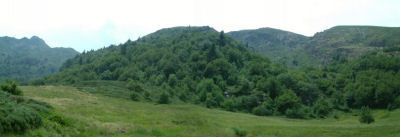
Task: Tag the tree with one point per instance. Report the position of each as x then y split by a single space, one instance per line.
287 100
106 75
322 108
134 86
365 115
221 40
123 48
287 80
212 53
172 80
265 109
383 95
218 67
307 92
164 98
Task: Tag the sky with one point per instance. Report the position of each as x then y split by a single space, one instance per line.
93 24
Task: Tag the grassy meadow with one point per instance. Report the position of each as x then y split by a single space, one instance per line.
91 114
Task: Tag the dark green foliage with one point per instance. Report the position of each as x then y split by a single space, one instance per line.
265 109
297 112
288 100
164 98
210 93
229 104
134 86
366 115
25 59
18 118
60 119
240 132
106 75
322 108
18 114
11 87
396 103
134 96
201 66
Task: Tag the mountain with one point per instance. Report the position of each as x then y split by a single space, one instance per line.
350 42
25 59
181 64
296 51
199 65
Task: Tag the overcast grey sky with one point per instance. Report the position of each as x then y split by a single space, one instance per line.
92 24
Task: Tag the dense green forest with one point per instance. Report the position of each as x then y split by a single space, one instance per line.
298 51
25 59
202 66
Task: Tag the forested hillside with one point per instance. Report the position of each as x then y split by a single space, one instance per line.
25 59
202 66
278 45
297 51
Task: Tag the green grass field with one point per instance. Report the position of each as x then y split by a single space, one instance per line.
97 115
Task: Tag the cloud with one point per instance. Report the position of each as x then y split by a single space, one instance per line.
92 24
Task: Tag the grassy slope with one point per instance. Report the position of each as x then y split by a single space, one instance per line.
98 115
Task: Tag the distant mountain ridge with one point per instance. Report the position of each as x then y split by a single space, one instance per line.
27 58
295 50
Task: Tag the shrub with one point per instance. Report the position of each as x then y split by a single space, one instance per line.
134 86
298 112
11 87
396 103
287 101
365 115
164 98
322 108
18 114
336 115
59 119
18 118
261 111
240 132
147 95
106 75
264 109
134 96
229 104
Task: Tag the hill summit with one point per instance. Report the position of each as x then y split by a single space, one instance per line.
28 58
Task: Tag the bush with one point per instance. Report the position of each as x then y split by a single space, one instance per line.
134 96
164 98
134 86
365 115
322 108
59 119
298 112
287 101
336 115
18 114
18 118
229 104
11 87
264 109
261 111
240 132
396 103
